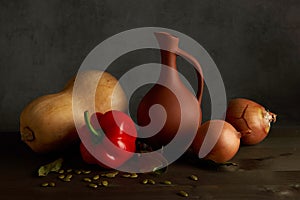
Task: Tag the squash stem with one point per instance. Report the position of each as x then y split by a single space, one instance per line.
89 125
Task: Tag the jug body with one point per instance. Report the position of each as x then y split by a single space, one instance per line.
182 109
184 113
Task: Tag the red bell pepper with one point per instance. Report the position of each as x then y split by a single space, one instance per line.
116 148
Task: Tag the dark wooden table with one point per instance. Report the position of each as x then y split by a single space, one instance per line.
269 170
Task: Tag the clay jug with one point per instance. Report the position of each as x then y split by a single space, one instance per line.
181 107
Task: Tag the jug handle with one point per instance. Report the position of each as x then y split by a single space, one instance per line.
198 67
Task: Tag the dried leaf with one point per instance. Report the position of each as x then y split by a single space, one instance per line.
50 167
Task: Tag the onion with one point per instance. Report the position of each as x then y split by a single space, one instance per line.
249 118
227 137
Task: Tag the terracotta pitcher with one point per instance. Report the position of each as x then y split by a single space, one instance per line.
180 105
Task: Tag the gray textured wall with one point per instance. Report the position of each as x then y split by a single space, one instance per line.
255 44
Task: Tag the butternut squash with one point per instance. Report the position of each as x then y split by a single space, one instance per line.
47 124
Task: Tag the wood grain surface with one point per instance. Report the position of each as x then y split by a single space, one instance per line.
269 170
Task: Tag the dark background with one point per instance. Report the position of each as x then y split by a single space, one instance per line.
255 44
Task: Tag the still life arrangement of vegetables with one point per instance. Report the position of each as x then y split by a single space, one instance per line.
47 125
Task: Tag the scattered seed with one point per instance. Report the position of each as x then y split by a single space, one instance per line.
66 179
87 180
150 181
45 184
145 181
69 176
167 182
110 175
104 183
86 171
62 176
183 193
193 177
93 185
78 171
52 184
96 177
133 175
115 173
61 171
126 175
69 170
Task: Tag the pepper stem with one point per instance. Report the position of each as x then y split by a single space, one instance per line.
89 125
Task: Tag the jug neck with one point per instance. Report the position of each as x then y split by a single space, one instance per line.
168 58
168 73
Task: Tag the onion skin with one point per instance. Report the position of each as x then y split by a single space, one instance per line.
227 144
249 118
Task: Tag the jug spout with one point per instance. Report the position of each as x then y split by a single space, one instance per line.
167 41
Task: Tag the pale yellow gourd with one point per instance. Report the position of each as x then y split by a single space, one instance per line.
47 124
